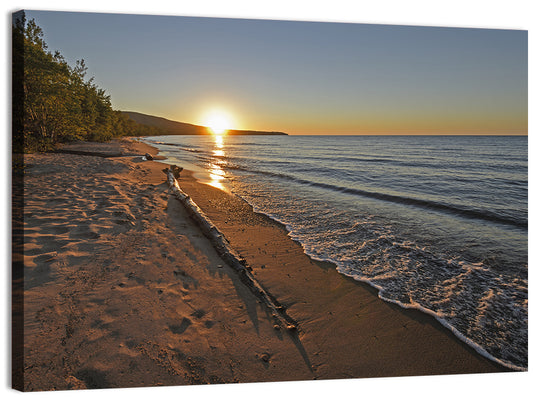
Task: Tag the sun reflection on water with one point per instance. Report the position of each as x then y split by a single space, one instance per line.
217 175
219 141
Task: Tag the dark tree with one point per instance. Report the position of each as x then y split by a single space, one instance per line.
54 102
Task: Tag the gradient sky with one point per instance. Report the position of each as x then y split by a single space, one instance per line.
303 77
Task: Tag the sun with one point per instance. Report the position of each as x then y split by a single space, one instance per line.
218 121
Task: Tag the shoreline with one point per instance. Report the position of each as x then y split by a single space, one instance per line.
436 321
377 292
123 290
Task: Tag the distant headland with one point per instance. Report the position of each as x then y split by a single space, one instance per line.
170 127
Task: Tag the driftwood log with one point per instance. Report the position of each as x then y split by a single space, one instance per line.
223 248
175 170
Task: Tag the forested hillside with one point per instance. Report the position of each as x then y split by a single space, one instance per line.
54 102
170 127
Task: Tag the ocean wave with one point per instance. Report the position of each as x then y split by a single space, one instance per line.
455 210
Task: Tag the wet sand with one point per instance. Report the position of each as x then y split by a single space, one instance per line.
121 289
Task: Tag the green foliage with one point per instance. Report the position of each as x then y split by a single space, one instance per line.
54 102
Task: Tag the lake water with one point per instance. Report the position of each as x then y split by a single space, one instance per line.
437 223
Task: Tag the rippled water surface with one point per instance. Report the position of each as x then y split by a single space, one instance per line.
437 223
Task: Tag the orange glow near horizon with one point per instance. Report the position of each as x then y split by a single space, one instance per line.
218 121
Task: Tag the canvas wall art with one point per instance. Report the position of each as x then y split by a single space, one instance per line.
215 200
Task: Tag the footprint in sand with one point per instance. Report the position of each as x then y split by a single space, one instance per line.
83 231
185 278
181 327
198 313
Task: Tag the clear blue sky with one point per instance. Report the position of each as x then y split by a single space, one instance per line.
303 77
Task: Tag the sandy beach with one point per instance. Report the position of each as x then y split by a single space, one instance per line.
121 289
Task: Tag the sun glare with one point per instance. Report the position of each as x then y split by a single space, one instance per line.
218 121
